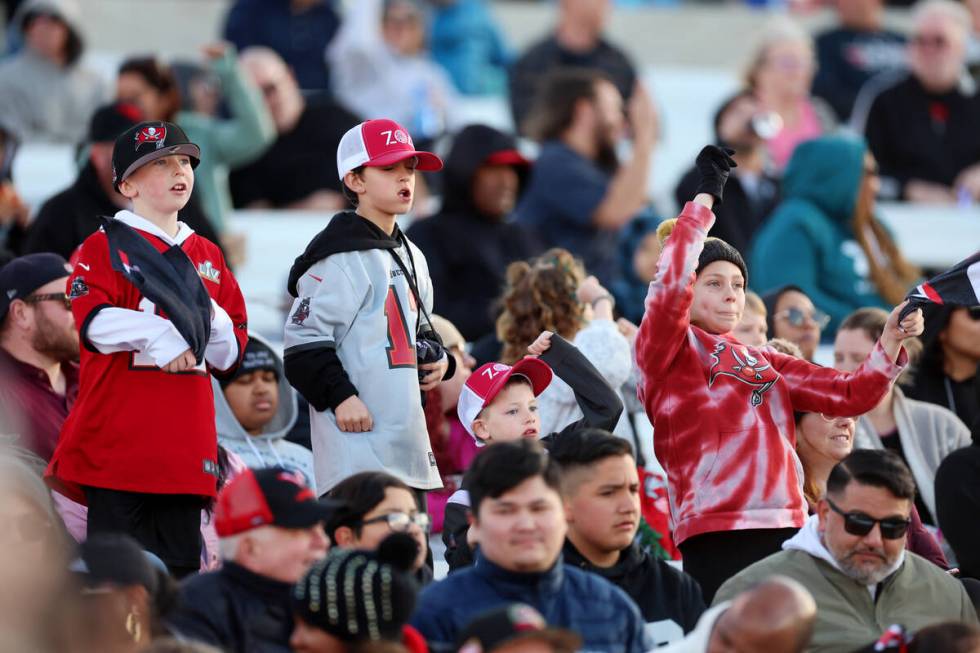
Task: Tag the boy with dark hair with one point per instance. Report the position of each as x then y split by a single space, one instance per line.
377 504
357 347
600 491
517 516
499 404
157 310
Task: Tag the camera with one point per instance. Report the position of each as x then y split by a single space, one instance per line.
427 351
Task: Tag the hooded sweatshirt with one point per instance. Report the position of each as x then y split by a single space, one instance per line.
916 593
352 330
723 412
42 101
808 241
468 252
270 449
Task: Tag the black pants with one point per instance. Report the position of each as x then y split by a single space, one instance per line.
713 558
167 525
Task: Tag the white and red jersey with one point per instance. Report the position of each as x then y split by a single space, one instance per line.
723 412
135 427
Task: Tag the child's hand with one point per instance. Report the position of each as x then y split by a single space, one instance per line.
541 344
353 416
435 373
590 290
183 362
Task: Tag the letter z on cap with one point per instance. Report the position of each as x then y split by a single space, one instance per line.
377 143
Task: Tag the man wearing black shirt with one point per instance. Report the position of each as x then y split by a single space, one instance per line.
298 171
854 51
576 43
923 130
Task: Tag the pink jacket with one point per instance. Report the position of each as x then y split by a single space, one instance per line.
723 412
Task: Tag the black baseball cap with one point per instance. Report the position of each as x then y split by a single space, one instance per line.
273 496
25 274
148 141
511 622
110 120
115 559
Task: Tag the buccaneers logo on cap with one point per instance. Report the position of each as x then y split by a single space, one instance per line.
739 364
155 135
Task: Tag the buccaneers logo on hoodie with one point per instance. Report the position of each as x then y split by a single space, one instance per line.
737 362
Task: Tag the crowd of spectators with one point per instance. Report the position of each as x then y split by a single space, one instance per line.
724 431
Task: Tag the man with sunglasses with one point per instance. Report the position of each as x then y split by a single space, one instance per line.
38 350
851 556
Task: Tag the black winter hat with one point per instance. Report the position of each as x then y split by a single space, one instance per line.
258 356
360 595
148 141
715 249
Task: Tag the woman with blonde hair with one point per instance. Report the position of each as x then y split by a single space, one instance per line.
553 293
780 75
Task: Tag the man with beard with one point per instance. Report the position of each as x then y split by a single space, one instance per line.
851 556
579 195
38 349
752 192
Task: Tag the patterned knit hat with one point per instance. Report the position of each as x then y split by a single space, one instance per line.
715 249
360 595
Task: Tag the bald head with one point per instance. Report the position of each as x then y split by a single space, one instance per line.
279 89
775 616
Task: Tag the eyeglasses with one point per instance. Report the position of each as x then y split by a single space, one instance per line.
974 313
860 524
50 297
400 522
934 41
797 318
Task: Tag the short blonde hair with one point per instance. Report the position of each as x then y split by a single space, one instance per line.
755 304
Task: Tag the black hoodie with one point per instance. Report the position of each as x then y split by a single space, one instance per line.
317 373
669 599
468 253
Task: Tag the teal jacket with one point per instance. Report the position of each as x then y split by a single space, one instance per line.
808 240
228 144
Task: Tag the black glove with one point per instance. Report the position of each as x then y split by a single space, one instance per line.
714 164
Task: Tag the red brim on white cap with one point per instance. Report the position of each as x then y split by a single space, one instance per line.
470 403
428 161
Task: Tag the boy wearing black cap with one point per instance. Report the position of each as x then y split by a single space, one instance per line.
157 311
255 410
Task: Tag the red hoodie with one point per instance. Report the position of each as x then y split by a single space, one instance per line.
723 412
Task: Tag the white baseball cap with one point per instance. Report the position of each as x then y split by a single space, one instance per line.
489 379
380 143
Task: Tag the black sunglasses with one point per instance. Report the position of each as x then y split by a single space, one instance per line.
860 524
974 313
50 297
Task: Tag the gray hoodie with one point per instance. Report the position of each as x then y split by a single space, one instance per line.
270 448
41 101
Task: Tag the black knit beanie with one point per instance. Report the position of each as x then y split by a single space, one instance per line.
715 249
360 595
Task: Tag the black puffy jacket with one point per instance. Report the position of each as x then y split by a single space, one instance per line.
236 610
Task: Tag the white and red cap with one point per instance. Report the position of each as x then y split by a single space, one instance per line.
489 379
378 143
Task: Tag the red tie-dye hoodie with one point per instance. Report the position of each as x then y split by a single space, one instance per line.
723 412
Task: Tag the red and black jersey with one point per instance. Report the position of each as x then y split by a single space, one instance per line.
135 427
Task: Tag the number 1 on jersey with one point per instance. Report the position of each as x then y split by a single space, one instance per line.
401 353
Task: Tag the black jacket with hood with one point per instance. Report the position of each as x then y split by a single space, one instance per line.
468 253
317 373
600 406
669 599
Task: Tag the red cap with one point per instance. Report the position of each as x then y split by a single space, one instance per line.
507 158
380 143
273 496
488 380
